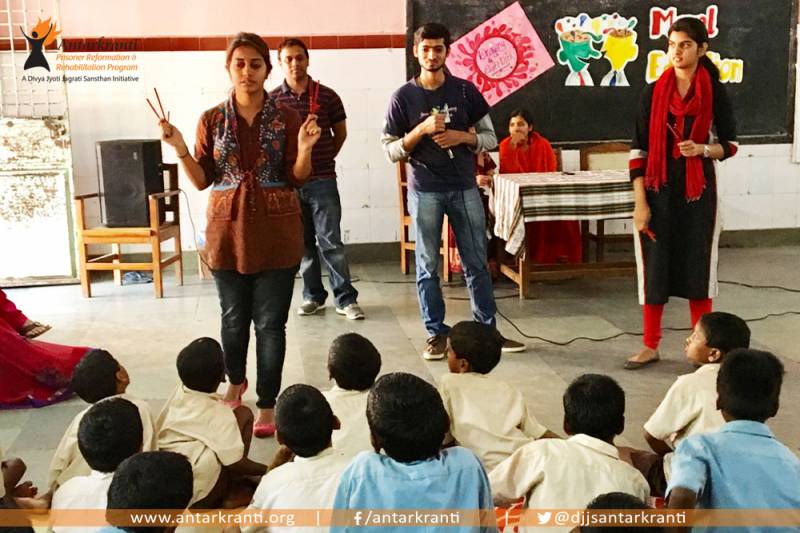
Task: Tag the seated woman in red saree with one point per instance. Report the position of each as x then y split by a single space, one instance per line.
524 150
32 373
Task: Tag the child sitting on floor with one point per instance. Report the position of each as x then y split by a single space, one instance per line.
408 422
568 474
690 405
214 437
97 376
109 433
304 424
613 502
492 429
353 363
743 465
149 480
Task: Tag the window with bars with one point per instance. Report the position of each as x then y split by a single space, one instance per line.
33 92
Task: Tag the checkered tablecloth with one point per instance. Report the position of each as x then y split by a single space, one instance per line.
537 196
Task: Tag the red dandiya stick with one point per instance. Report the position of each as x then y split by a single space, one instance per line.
314 94
154 109
674 132
159 103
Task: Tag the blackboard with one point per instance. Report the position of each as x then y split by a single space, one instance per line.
759 32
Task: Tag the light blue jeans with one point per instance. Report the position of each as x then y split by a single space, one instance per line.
464 210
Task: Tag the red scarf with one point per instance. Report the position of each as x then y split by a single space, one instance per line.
537 156
666 100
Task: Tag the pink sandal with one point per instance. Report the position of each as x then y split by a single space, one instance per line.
233 404
262 431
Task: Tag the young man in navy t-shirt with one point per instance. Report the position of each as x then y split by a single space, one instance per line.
428 123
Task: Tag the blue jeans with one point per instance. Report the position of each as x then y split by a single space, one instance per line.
263 299
322 216
465 212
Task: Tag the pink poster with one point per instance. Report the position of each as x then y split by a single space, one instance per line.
501 55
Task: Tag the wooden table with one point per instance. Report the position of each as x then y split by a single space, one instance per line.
539 196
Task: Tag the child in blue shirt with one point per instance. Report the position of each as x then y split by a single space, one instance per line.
742 466
408 422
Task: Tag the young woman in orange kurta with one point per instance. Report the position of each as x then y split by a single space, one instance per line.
524 150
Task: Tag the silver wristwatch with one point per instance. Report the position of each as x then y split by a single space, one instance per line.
706 151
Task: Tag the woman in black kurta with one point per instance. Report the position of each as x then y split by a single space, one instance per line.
685 123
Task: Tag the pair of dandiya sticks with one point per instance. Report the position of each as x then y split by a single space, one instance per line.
647 231
163 116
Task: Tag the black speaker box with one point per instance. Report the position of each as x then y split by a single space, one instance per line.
128 171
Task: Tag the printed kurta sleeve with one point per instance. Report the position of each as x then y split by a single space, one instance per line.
293 123
204 147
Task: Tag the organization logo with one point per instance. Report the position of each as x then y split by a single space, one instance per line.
42 35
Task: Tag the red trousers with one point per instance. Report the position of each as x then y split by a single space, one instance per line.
652 319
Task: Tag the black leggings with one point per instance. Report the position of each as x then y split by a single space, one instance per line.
263 299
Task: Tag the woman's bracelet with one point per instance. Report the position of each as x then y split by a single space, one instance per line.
184 155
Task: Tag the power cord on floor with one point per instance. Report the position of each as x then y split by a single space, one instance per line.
630 333
749 286
356 279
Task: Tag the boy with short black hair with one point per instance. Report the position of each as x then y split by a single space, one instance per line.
353 364
741 466
109 433
97 376
690 405
214 437
150 480
304 424
613 502
408 422
555 473
492 429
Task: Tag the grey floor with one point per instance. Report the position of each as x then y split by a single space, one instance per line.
146 335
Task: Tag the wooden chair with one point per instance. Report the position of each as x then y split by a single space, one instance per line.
605 156
157 232
407 245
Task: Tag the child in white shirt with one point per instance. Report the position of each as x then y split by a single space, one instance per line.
214 437
487 416
304 423
568 474
690 405
109 433
353 364
97 376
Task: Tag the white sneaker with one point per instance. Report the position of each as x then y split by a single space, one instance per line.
309 307
511 346
352 312
435 348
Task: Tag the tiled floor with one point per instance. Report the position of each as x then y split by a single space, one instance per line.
146 334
